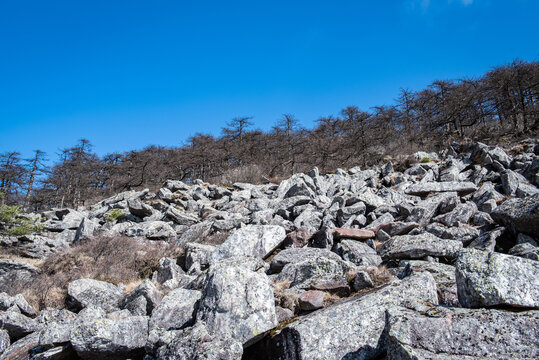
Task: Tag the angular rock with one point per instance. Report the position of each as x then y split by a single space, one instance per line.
461 214
444 276
197 257
4 341
15 271
461 233
138 208
295 255
351 329
88 292
418 247
358 253
519 215
176 310
453 333
311 300
355 234
435 187
17 325
142 300
525 250
110 338
361 281
180 217
487 240
252 240
237 303
491 279
398 228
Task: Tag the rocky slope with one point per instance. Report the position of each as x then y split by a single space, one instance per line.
437 261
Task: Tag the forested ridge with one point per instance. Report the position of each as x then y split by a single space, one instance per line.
502 104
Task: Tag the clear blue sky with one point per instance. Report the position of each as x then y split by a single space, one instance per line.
127 74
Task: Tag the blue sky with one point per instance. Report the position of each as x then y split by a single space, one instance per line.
127 74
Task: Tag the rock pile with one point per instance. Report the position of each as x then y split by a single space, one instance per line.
437 261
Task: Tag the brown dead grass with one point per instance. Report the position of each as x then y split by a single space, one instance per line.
115 260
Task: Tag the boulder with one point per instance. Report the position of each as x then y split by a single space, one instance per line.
17 325
237 302
525 250
311 300
15 271
355 234
197 257
4 341
436 187
357 253
110 338
142 300
88 292
492 279
519 215
461 214
307 273
251 240
454 333
418 247
198 343
353 328
176 310
295 255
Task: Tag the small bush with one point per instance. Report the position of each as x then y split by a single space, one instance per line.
113 215
13 223
425 160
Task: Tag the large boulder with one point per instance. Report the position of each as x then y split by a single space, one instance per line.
142 300
110 338
418 247
519 215
15 271
453 333
89 292
176 310
237 302
492 279
251 240
197 343
353 329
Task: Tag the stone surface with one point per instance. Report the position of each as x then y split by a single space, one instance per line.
352 329
252 240
88 292
237 302
434 187
176 310
519 215
311 300
357 253
525 250
142 300
356 234
295 255
418 246
17 325
110 338
455 333
492 279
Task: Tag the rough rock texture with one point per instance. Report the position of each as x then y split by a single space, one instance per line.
306 273
455 333
358 253
519 215
254 240
17 325
295 255
418 246
237 302
110 338
176 310
352 329
492 279
142 300
88 292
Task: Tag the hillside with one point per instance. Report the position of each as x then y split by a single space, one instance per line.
428 256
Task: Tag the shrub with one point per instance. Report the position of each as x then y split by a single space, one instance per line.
113 215
13 223
425 160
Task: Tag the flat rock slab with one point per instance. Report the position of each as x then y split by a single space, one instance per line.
493 279
464 187
455 333
418 247
89 292
356 234
295 255
349 330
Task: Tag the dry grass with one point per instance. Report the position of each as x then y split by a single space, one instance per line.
115 260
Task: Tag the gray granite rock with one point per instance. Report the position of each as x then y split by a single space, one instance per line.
493 279
357 253
176 310
418 246
519 215
88 292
